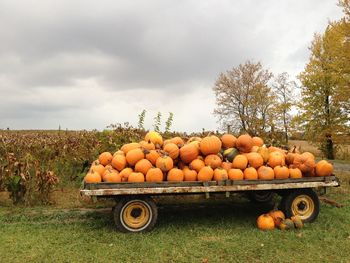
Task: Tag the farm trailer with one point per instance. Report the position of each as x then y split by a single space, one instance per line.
136 211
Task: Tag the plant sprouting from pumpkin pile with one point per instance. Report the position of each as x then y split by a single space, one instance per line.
141 121
157 122
169 122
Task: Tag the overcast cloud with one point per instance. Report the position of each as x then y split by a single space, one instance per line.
86 64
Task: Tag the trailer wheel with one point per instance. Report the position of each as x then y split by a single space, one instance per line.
137 214
301 202
261 196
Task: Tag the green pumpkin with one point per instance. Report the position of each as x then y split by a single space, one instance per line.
286 224
298 223
230 154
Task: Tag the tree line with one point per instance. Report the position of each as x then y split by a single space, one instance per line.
251 99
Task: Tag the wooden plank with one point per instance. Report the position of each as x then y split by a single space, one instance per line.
206 189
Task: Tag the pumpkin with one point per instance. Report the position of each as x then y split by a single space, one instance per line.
118 152
130 146
154 175
189 174
295 173
235 174
240 162
175 175
210 145
228 140
197 165
257 141
255 149
205 174
305 162
193 139
324 168
290 158
188 153
230 153
298 223
147 145
264 152
125 173
220 174
178 141
172 150
155 138
92 177
164 163
213 160
265 222
113 177
244 143
98 168
278 216
226 165
286 224
266 173
152 156
281 172
143 166
135 155
105 158
197 144
250 173
255 160
276 158
119 162
135 177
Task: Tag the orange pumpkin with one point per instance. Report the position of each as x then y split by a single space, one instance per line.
194 139
226 165
290 158
255 160
189 174
228 140
152 156
143 166
210 145
136 178
164 163
220 174
235 174
205 174
98 168
295 173
105 158
175 175
281 172
324 168
130 146
250 173
172 150
147 145
119 152
113 177
257 141
277 216
244 143
135 155
266 173
178 141
240 162
188 153
213 160
119 162
305 162
155 138
92 177
264 152
197 165
154 175
276 158
265 222
125 173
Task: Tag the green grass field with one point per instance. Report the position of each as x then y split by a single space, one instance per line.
208 231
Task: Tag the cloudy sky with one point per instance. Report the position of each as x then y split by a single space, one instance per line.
86 64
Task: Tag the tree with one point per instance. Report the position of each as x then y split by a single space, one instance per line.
141 120
157 122
169 122
325 90
244 99
283 89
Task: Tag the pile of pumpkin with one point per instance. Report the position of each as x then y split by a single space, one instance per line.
203 159
276 219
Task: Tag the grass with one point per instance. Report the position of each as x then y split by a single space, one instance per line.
211 231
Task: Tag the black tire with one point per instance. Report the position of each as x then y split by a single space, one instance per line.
302 202
261 196
135 214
